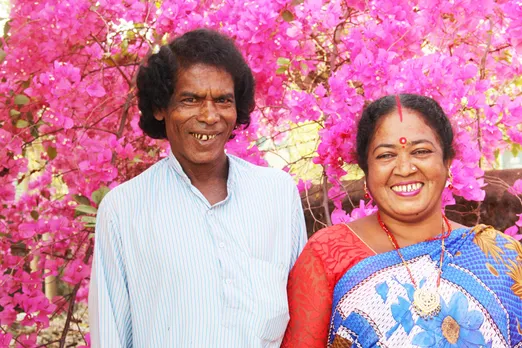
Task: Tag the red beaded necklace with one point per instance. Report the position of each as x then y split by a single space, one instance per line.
425 302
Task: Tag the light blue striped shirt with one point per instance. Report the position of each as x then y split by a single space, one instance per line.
170 270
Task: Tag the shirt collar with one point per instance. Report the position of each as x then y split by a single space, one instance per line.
232 168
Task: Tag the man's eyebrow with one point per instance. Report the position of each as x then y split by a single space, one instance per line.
190 94
199 96
225 96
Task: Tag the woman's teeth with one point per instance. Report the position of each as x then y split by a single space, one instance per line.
407 188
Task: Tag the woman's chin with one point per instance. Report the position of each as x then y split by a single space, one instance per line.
409 210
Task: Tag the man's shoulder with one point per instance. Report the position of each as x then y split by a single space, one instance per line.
135 187
250 170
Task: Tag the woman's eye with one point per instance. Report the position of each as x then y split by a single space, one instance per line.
385 156
422 152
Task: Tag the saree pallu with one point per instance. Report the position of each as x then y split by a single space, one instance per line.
480 290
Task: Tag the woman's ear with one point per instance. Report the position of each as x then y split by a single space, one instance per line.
447 163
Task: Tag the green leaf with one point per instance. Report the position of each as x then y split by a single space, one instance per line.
35 215
515 149
2 55
51 152
288 16
281 70
281 61
21 124
284 64
25 84
88 219
14 113
86 209
80 199
7 27
98 195
21 99
34 132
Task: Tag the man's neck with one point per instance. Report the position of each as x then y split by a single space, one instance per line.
201 174
210 178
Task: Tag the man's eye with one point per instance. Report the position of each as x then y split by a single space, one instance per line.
224 100
189 100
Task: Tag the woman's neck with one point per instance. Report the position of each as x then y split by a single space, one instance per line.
408 233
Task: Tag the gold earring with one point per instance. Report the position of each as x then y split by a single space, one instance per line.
450 180
366 193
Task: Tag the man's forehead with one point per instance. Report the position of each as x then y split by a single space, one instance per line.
200 78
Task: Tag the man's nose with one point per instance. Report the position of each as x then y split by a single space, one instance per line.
209 113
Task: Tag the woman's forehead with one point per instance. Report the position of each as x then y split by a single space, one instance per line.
411 126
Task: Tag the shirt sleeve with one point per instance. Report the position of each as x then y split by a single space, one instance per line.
299 235
309 301
110 319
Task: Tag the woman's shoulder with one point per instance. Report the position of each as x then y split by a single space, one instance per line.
338 247
502 248
490 233
326 234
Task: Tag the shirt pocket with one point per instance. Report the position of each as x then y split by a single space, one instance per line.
270 297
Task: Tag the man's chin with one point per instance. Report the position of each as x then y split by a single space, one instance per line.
207 158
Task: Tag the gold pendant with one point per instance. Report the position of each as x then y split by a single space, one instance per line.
426 303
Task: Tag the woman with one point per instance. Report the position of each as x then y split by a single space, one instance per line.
406 276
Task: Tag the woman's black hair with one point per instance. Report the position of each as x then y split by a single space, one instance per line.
427 108
157 79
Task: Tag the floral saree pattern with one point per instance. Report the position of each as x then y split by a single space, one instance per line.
480 289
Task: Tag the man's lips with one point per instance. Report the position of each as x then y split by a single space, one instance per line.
204 136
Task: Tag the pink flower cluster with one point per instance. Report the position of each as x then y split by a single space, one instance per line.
69 130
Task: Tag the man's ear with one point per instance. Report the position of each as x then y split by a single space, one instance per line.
160 115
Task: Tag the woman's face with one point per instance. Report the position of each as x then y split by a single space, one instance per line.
406 171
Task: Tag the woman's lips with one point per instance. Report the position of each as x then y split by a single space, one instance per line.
407 189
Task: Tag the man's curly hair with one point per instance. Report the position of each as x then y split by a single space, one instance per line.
156 79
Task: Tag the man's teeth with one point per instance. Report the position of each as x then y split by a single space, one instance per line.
203 137
407 188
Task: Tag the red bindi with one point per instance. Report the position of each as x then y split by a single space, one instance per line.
403 141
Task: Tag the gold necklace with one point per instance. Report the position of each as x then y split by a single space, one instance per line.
425 302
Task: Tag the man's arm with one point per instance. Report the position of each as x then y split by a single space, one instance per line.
299 235
109 307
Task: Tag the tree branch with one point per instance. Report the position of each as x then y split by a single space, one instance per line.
326 206
70 310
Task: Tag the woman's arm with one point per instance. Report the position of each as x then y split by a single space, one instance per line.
310 302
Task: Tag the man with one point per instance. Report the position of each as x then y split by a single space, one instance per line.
195 251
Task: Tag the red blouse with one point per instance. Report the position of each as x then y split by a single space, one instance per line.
328 254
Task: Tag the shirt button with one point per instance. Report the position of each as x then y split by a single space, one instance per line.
210 212
221 245
228 281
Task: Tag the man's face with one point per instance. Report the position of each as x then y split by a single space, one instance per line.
201 115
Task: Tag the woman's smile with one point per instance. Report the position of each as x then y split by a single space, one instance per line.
407 189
